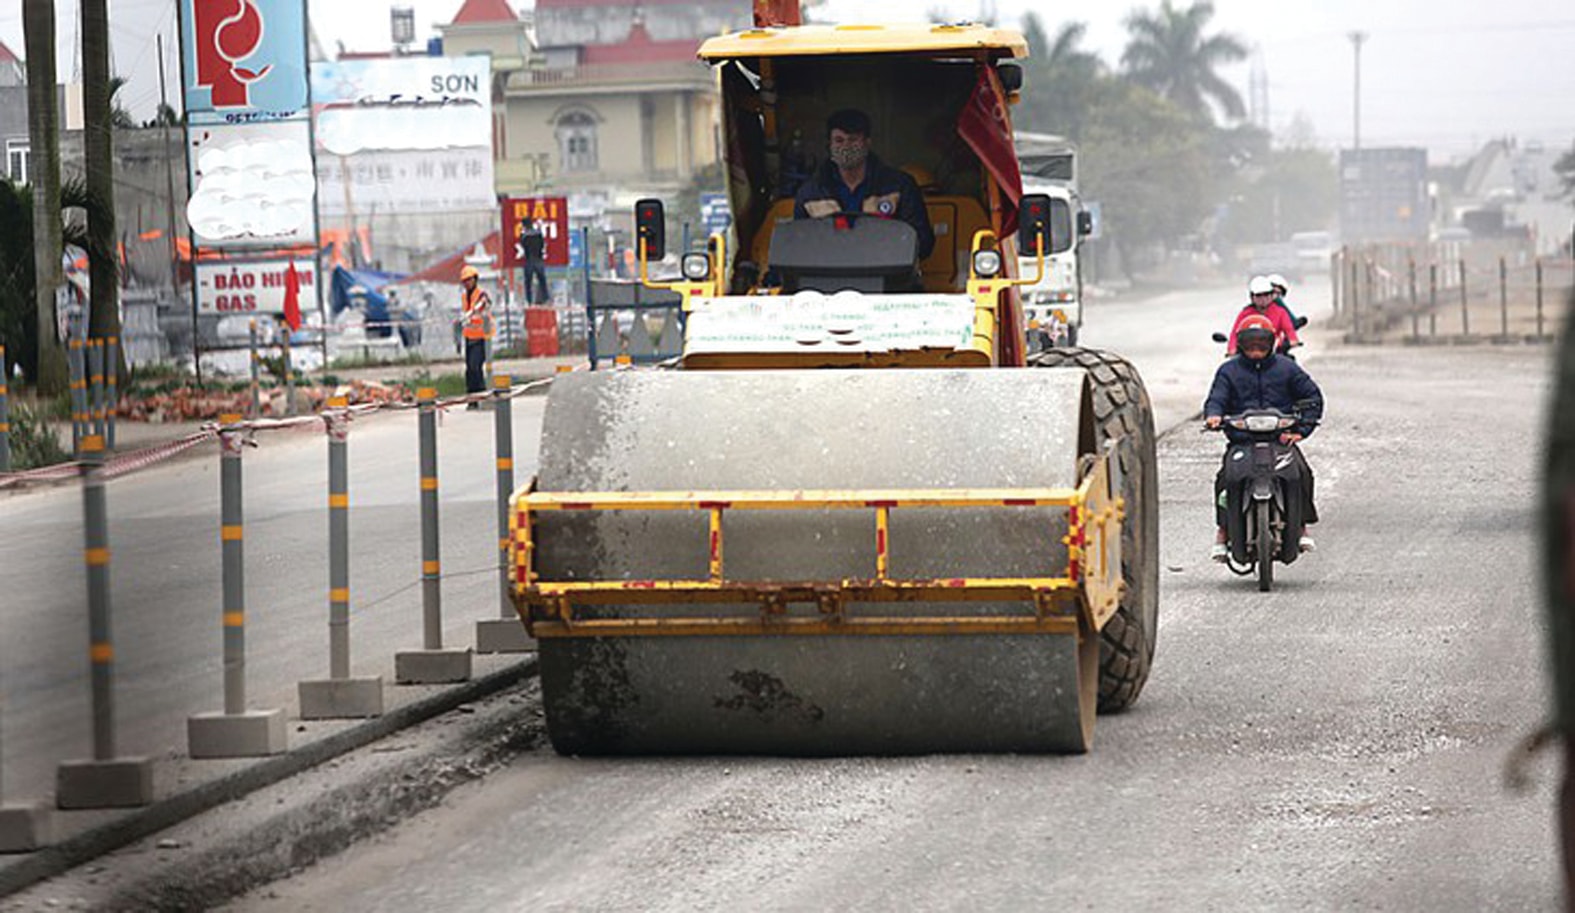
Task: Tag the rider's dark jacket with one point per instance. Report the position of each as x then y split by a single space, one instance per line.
885 191
1275 382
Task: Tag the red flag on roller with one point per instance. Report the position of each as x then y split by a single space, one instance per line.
986 128
292 297
770 13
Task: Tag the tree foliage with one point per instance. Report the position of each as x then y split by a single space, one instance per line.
18 323
1059 76
1169 53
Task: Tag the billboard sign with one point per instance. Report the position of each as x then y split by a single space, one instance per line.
1383 195
551 215
404 135
251 185
254 287
244 60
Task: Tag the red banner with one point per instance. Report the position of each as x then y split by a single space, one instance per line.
549 215
986 128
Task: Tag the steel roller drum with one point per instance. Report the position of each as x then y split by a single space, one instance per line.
814 429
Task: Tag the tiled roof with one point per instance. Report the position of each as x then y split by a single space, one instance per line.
479 11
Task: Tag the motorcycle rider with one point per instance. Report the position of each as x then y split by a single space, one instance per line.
1281 289
1261 294
1257 378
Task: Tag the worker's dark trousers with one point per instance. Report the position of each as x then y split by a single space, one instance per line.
475 365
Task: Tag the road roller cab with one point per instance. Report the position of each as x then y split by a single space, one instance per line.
854 518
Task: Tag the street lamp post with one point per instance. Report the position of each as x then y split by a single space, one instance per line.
1356 43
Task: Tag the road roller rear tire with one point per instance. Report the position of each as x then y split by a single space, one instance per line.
1122 412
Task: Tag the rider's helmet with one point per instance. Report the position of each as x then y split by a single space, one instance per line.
468 272
1255 337
1280 285
1260 291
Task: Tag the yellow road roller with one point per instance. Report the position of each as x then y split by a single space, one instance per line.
853 517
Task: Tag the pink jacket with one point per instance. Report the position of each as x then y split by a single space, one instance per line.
1284 330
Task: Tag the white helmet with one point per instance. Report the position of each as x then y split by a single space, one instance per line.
1260 285
1278 281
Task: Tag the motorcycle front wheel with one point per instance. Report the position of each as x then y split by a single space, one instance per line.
1265 545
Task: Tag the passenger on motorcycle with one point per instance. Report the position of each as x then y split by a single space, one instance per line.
1263 304
1281 289
1257 378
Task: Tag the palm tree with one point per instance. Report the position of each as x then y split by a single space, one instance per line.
119 118
1169 54
98 135
38 26
1060 74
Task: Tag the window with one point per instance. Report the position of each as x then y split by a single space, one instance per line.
577 141
16 160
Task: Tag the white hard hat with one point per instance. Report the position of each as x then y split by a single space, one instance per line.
1278 280
1259 285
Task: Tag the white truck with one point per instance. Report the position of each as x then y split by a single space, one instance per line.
1054 305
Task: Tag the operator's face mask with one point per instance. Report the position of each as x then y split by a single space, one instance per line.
849 150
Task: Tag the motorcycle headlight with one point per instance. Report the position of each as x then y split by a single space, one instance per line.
1263 423
986 264
695 266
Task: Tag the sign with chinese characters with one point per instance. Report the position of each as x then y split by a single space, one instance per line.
550 215
403 135
244 60
254 287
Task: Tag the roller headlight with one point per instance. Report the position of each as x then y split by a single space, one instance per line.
986 264
695 266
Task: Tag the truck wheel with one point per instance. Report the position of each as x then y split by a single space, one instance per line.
1122 412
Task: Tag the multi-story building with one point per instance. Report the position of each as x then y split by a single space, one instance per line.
599 100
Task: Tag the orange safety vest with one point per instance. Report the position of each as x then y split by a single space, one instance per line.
478 314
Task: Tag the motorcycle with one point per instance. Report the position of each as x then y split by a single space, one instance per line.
1262 524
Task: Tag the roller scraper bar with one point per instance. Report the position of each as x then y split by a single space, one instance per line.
1092 571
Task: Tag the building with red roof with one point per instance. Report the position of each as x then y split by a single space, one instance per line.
607 102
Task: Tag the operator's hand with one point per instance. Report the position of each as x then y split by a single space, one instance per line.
1212 421
1289 437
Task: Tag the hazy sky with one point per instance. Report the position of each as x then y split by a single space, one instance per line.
1446 74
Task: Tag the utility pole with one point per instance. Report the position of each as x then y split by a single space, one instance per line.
38 26
1356 43
169 171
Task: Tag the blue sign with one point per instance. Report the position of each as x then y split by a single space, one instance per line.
245 60
577 249
715 213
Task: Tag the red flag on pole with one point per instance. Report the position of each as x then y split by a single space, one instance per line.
986 128
292 297
777 13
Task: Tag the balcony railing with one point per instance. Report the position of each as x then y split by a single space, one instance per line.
610 74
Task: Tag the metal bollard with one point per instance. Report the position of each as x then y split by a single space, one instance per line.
339 695
5 414
1353 297
1539 301
77 365
1411 272
112 389
235 733
251 335
105 781
1432 299
289 376
432 664
1503 297
1465 313
95 358
504 634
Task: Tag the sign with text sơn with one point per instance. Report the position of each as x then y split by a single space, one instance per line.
551 215
255 287
245 60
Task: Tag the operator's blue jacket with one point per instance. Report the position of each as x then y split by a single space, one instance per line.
885 191
1276 382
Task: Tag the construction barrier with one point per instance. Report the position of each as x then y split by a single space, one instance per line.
541 332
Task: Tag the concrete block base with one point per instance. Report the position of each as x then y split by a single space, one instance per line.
341 698
251 734
503 635
25 828
116 783
432 667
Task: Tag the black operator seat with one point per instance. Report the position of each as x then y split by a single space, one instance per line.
862 253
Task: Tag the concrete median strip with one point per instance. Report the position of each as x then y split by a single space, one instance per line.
124 829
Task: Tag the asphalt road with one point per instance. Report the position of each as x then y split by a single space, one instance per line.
1337 744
